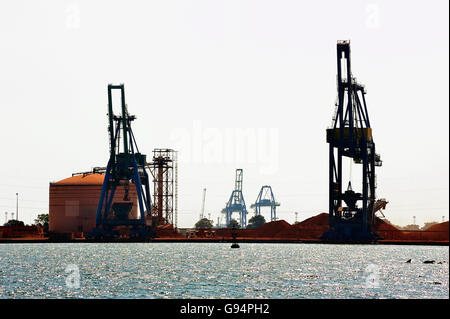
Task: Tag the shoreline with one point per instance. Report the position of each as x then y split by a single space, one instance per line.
223 240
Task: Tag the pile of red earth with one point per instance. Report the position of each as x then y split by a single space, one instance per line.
444 227
387 231
167 231
313 227
227 233
437 232
277 229
21 231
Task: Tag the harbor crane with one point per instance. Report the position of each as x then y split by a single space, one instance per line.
236 203
266 199
126 168
351 213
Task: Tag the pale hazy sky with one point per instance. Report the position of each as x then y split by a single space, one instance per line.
231 84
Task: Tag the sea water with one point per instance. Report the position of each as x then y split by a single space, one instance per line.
214 270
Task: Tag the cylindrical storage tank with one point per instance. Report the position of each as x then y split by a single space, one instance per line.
73 202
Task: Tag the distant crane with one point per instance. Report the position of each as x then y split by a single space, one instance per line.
351 136
17 206
202 213
266 199
236 203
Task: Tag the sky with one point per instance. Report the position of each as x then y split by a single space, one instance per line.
229 84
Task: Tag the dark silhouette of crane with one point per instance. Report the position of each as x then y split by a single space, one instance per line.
351 213
126 168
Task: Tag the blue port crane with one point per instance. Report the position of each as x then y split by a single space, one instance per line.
126 168
236 203
266 199
351 213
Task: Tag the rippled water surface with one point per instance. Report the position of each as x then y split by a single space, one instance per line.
213 270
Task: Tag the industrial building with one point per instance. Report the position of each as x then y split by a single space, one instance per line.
73 203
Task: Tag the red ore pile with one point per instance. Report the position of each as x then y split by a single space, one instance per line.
313 227
277 229
167 231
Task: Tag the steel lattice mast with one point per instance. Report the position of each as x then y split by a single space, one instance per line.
164 185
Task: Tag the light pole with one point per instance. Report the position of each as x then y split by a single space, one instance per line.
296 214
6 217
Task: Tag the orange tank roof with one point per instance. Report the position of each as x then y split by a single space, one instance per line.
89 179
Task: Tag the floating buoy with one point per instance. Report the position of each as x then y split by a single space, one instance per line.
235 244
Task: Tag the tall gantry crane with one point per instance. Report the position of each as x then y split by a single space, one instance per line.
126 168
236 203
351 213
266 199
